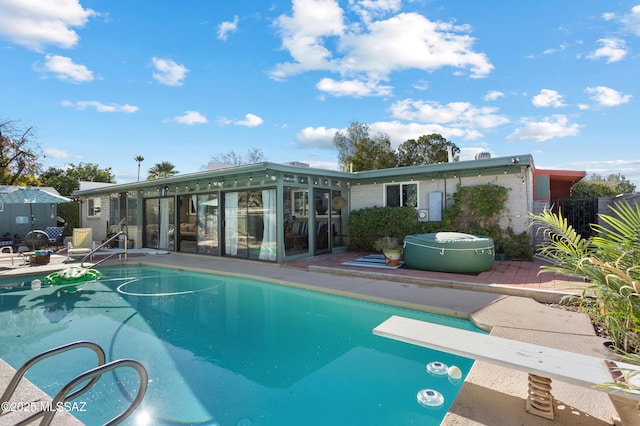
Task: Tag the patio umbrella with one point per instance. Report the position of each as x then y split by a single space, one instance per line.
31 195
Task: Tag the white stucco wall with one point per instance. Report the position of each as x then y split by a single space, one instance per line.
515 215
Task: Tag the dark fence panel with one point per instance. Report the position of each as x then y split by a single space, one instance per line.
579 212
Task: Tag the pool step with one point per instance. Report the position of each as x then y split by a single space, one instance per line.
31 408
28 393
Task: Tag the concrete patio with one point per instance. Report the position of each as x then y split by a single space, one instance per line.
501 301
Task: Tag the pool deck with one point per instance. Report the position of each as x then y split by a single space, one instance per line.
500 300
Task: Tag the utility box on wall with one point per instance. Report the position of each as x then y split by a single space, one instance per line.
435 206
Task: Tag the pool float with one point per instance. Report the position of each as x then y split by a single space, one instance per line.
72 274
430 398
437 368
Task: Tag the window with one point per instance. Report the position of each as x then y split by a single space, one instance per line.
93 207
402 194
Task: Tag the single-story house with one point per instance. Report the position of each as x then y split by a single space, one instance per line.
282 212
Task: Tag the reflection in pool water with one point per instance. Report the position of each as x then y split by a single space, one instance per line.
227 350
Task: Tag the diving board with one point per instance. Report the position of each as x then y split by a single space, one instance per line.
541 362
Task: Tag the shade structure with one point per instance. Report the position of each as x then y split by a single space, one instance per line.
31 195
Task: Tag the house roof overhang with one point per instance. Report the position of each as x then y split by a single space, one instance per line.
258 171
571 176
263 172
485 167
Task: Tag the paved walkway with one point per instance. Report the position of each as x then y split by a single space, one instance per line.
515 278
490 395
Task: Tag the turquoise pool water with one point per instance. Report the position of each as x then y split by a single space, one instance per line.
224 350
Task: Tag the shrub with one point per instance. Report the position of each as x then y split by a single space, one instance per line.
609 260
372 223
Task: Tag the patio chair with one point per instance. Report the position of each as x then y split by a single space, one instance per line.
81 244
55 234
6 252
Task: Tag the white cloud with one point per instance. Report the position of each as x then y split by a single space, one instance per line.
493 95
250 120
411 41
303 34
456 114
227 27
613 50
190 118
317 38
65 70
168 72
556 126
35 24
562 47
58 153
368 9
355 88
607 97
318 137
100 107
548 98
398 132
632 20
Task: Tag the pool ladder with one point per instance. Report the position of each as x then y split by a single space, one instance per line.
95 249
92 375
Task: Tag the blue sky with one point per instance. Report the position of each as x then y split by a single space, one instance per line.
183 81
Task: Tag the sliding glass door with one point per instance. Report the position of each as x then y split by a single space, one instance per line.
198 223
250 224
159 223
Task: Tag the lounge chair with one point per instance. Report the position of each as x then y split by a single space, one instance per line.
81 244
6 252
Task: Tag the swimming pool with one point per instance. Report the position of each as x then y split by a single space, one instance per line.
224 350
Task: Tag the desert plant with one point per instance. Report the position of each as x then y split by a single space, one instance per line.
608 261
386 243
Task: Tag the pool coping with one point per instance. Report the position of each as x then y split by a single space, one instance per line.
489 395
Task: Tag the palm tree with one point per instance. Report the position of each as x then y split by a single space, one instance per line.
609 261
162 170
139 159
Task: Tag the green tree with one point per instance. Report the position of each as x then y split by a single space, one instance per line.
358 151
162 170
428 149
19 155
138 159
596 186
67 180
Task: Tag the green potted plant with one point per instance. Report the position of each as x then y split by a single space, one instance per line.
390 248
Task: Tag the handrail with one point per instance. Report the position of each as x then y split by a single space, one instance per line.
93 251
94 374
8 393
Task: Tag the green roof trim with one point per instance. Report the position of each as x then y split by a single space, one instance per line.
510 164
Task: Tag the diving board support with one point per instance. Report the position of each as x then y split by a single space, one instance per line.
542 363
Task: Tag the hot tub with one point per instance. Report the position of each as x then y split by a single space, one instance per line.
449 252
